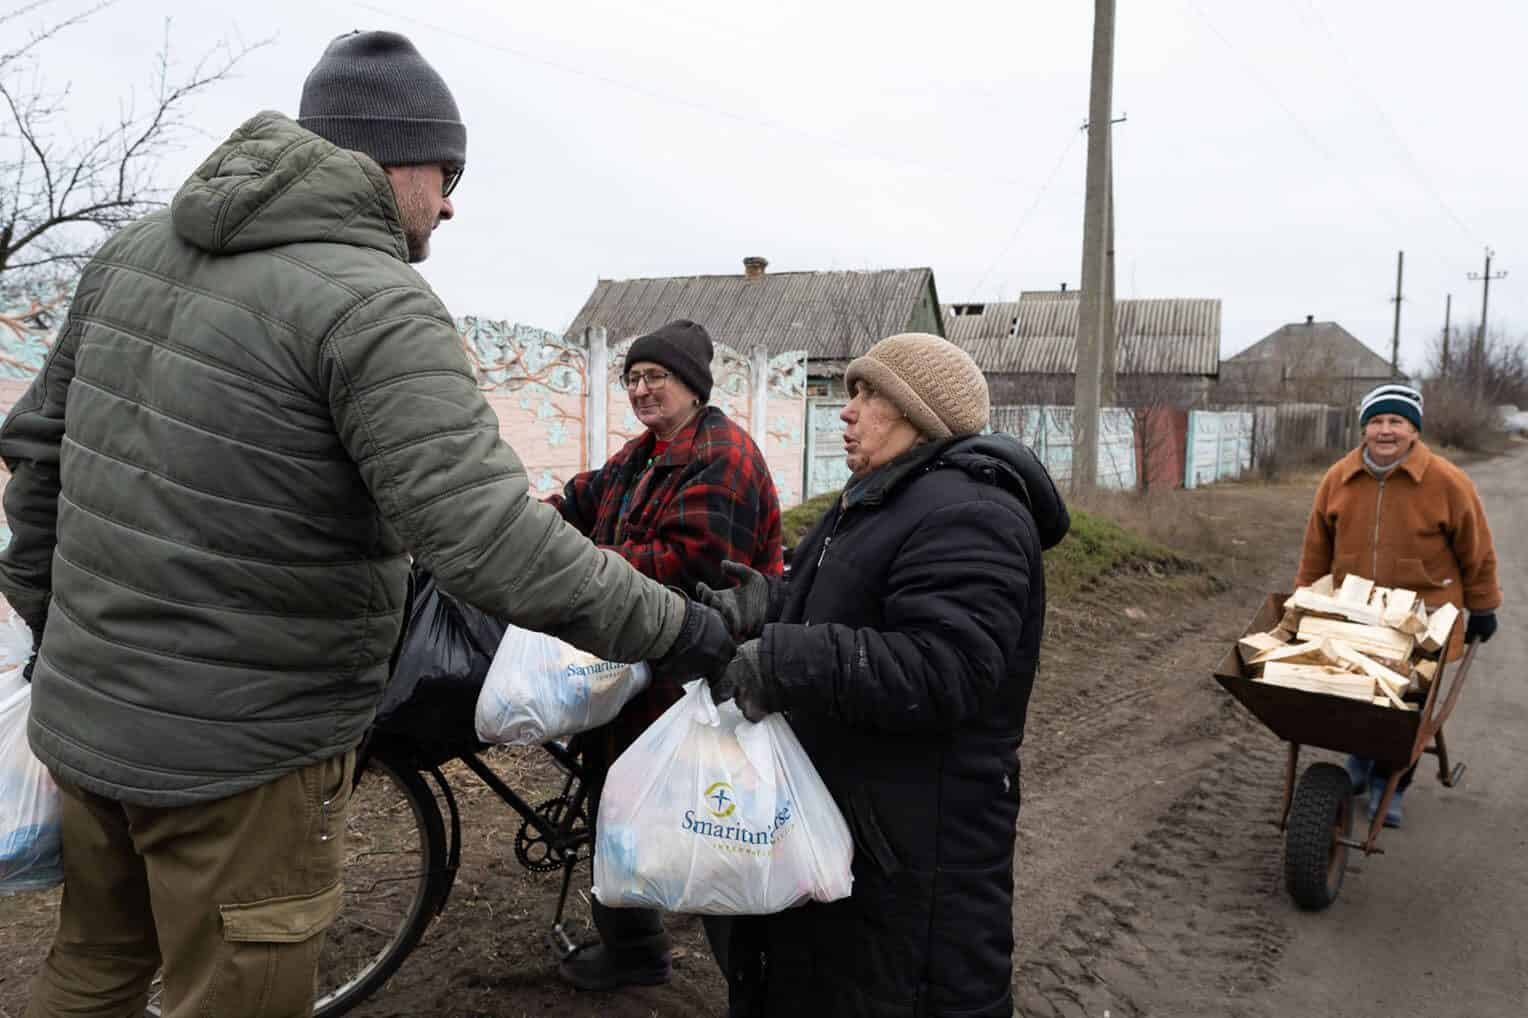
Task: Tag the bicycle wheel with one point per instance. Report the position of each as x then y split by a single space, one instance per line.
395 862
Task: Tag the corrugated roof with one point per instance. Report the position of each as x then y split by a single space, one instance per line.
1311 348
831 315
1037 334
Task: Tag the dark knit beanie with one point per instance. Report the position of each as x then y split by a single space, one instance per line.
684 348
1392 398
372 92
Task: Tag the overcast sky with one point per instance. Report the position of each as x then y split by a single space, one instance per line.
1276 155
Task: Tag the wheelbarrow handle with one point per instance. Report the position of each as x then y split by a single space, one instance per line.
1456 685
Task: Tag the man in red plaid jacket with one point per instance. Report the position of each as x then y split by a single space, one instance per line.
676 501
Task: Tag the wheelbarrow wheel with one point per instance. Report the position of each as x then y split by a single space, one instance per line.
1314 858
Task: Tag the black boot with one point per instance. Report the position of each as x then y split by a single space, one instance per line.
633 951
601 967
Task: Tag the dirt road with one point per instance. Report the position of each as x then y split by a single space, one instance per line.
1192 918
1149 875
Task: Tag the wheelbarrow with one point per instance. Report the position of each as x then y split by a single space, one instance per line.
1317 813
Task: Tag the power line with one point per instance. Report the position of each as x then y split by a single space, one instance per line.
1400 141
1266 85
827 141
1033 205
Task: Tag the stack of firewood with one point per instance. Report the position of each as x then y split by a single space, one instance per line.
1357 641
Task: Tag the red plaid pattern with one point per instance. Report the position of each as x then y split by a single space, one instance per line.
707 498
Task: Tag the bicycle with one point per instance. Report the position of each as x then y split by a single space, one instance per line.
402 856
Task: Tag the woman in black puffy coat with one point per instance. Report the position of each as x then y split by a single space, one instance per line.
902 650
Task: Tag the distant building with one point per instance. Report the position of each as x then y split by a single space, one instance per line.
1303 362
1168 349
833 316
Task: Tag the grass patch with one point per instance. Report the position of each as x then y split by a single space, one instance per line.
794 523
1095 547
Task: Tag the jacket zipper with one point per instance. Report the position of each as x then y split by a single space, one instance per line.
827 542
1379 500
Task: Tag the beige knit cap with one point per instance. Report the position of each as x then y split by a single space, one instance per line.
931 380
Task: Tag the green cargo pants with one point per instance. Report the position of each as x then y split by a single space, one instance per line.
231 897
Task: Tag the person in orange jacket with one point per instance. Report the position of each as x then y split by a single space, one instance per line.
1396 512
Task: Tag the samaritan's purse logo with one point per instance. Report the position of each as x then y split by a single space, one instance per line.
720 800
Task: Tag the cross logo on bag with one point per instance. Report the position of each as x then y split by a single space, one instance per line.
718 802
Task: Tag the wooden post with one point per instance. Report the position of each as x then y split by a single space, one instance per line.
1092 313
758 395
597 403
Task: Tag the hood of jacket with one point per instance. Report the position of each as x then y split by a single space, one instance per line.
1000 460
274 183
1005 461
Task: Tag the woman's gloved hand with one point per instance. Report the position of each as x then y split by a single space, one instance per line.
746 681
746 606
1482 626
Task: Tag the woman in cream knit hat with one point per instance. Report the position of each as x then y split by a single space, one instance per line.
902 650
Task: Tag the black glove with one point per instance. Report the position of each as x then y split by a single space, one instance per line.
1482 626
746 606
26 672
702 648
745 681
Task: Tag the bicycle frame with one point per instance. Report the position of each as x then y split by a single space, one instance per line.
565 841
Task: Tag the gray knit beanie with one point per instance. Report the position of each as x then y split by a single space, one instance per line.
373 92
932 381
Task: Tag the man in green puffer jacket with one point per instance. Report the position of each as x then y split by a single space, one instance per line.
255 413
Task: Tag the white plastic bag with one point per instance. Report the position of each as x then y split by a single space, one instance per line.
539 688
30 858
709 813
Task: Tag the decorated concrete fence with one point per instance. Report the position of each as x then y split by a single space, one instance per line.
1219 446
1048 431
542 385
560 401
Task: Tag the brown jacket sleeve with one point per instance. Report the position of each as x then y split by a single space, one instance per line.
1475 551
1316 553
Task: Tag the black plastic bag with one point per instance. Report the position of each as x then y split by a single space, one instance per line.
438 671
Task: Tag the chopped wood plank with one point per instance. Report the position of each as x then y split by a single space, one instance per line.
1398 607
1363 614
1320 679
1426 671
1325 586
1311 652
1439 626
1390 682
1384 644
1254 644
1355 590
1415 623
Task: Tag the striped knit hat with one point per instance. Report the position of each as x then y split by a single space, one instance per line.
1392 398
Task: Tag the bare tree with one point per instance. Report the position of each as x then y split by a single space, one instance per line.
62 193
1496 372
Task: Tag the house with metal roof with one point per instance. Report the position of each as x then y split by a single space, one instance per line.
1168 349
834 316
1303 362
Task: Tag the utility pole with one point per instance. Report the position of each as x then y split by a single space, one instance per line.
1395 335
1109 362
1448 313
1092 312
1478 351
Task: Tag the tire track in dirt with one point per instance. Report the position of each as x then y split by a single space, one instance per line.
1180 924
